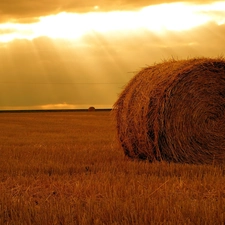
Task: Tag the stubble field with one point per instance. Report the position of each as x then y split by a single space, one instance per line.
67 168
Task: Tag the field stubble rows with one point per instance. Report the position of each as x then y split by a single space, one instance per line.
67 168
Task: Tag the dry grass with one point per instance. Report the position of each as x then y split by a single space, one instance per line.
64 168
174 111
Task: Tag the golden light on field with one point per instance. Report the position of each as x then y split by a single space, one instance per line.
156 18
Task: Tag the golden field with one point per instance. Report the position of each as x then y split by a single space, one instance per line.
67 168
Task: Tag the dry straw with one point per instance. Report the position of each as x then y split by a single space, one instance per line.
174 111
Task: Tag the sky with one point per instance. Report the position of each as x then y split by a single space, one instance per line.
70 54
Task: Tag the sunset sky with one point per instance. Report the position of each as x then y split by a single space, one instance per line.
74 54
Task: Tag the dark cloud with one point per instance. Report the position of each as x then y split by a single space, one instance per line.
27 11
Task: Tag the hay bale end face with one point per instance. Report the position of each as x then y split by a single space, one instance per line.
174 111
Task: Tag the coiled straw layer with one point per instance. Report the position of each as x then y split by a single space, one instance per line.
174 111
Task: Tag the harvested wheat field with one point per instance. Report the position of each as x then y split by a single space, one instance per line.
65 168
175 111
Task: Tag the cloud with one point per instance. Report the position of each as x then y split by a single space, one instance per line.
26 11
7 31
63 105
47 72
92 70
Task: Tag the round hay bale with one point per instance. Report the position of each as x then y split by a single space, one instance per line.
91 108
174 111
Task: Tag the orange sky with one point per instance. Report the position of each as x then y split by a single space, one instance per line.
75 55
